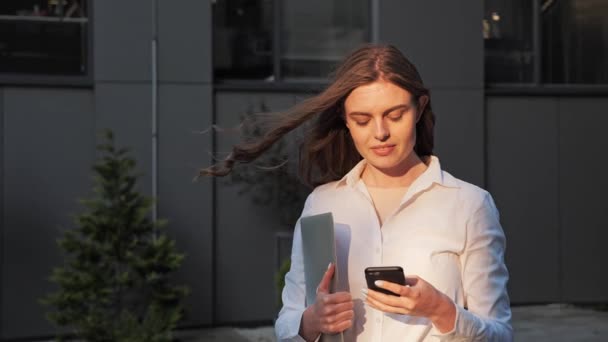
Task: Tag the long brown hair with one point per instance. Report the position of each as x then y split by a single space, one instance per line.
328 152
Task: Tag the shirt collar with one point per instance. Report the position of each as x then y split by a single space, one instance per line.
432 175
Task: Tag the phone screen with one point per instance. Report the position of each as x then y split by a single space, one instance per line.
393 274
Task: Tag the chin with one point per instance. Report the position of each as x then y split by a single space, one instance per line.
383 164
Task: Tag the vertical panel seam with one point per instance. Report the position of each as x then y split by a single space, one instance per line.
214 240
374 21
560 252
154 103
536 44
2 220
485 153
276 42
214 237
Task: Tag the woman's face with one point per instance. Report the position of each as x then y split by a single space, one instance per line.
381 118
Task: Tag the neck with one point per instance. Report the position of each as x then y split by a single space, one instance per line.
400 176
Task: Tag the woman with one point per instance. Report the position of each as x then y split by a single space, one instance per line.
370 153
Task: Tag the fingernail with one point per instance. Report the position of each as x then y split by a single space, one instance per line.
328 266
378 282
364 291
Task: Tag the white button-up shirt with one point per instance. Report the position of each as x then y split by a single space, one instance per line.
445 230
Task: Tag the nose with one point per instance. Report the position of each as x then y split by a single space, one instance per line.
382 132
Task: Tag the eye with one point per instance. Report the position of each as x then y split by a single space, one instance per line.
396 116
361 123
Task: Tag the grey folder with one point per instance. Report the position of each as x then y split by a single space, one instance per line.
318 249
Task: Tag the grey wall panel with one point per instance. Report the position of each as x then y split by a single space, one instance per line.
48 152
523 179
126 109
188 205
583 204
459 132
2 203
245 231
122 34
184 35
442 38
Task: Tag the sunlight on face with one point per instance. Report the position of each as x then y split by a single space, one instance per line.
381 118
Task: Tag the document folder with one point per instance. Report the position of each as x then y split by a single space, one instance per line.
319 249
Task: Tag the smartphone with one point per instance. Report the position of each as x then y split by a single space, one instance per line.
394 274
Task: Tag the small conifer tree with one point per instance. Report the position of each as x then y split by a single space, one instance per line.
114 285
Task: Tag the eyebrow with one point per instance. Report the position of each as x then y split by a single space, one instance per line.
383 113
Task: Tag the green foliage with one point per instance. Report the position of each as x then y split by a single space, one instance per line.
114 285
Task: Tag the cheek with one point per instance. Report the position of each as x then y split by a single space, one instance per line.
359 140
358 134
408 133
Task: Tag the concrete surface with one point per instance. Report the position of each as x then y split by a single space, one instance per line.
555 322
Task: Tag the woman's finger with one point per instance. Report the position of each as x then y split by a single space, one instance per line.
342 316
412 280
384 298
394 288
326 280
338 297
338 327
386 308
335 309
393 301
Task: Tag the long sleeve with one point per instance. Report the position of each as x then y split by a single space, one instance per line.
484 275
287 324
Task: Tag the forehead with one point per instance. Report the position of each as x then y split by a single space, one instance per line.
377 94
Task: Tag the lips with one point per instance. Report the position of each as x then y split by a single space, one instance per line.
383 150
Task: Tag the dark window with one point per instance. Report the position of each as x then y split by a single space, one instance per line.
507 28
317 34
285 40
44 37
546 41
575 41
242 39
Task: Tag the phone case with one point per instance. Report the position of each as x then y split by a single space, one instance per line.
393 274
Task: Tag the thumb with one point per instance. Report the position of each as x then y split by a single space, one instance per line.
411 280
325 282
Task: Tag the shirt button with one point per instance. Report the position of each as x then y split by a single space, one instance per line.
377 250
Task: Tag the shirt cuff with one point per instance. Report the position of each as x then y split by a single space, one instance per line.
446 336
289 329
287 326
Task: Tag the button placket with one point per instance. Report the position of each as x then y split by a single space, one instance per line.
378 327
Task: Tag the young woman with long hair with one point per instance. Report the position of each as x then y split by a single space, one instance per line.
369 154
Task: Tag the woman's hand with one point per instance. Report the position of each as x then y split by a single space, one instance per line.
331 313
417 298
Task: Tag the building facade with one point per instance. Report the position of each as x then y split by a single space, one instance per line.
150 77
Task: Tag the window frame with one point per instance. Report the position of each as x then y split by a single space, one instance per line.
33 79
536 86
292 84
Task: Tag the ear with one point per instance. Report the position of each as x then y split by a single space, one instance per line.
422 102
